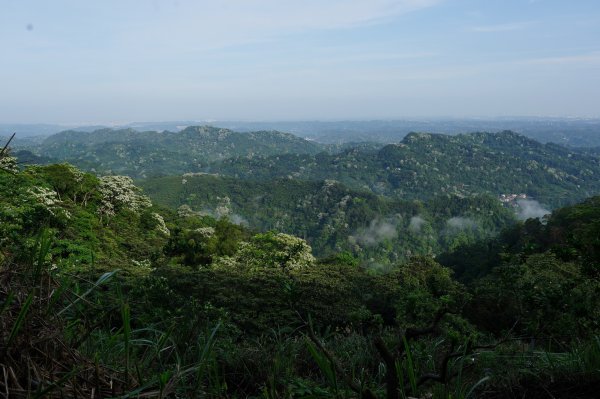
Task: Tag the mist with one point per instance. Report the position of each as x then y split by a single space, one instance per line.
416 223
461 223
378 231
529 209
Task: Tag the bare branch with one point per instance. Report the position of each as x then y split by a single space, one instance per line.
4 150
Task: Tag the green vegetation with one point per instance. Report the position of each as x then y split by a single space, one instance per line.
104 294
333 218
424 166
146 154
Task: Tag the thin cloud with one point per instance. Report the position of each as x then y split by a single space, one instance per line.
193 26
510 27
589 58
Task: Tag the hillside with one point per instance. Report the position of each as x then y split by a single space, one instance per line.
334 218
421 166
424 166
98 283
570 132
141 154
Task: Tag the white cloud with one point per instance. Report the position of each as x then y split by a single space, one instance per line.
461 223
416 223
588 58
530 209
378 231
202 25
509 27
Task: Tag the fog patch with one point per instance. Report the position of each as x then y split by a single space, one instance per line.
238 219
416 223
461 223
378 231
530 209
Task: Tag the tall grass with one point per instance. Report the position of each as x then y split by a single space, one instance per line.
46 312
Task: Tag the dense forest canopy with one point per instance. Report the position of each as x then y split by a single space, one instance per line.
266 284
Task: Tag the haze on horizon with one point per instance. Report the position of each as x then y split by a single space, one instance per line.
68 61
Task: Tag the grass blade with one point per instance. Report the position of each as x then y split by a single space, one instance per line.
20 319
104 278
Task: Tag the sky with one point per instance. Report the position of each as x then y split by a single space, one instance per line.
118 61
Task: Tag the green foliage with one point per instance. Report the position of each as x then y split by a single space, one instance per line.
540 277
181 304
147 154
423 166
333 218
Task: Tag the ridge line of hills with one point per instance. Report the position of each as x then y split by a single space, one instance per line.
421 166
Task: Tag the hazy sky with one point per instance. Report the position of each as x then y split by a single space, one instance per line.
125 60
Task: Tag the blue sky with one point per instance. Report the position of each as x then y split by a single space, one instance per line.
73 61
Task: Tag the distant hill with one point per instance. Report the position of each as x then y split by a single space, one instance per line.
428 165
333 218
572 132
420 166
142 154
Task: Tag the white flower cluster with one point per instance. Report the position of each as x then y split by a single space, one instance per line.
77 174
144 264
185 211
160 224
8 164
206 232
270 251
297 252
226 262
119 192
49 199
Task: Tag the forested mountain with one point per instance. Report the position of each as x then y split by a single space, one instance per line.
571 132
334 218
142 154
428 165
421 166
133 299
543 273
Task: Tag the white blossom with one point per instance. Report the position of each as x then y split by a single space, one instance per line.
48 198
206 232
271 250
143 264
160 224
119 192
185 211
9 164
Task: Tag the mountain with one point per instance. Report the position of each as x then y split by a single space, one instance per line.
126 298
573 132
141 154
334 218
421 166
425 165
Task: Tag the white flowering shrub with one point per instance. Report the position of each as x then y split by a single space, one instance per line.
48 198
143 265
270 250
8 164
206 232
76 174
119 192
160 224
